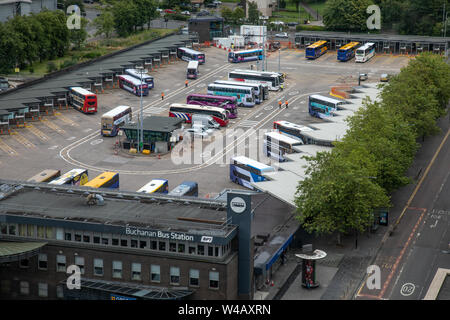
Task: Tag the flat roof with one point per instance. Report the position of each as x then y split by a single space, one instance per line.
156 123
283 186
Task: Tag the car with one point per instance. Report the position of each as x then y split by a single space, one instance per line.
211 5
203 13
169 11
282 35
292 24
159 10
217 3
186 13
278 22
385 77
363 76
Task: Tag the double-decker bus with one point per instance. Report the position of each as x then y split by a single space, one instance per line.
187 54
133 85
272 81
185 112
228 103
113 119
276 145
186 188
245 96
245 55
291 130
156 186
45 176
365 52
316 49
257 87
148 79
104 180
347 52
244 171
82 100
75 177
322 107
192 70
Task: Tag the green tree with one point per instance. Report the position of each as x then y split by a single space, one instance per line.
346 15
148 10
338 195
104 24
78 36
238 15
227 14
124 17
55 27
296 3
253 13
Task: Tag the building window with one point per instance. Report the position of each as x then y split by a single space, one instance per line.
43 289
30 230
59 292
98 267
214 280
134 243
12 229
3 228
79 261
201 249
117 269
155 273
96 240
115 242
174 275
24 263
194 275
24 287
216 251
86 238
48 232
192 250
40 231
135 271
172 247
162 246
60 263
105 241
123 242
42 261
5 286
210 251
143 244
154 245
181 248
59 234
78 237
68 236
22 230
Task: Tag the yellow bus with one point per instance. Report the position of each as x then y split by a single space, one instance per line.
347 52
75 177
45 176
105 180
316 49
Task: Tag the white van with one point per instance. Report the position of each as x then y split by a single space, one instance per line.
192 70
204 120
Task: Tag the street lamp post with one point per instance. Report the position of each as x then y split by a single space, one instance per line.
141 125
279 52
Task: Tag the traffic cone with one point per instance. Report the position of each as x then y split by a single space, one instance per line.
271 283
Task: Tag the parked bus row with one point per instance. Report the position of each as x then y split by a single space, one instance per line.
79 177
361 52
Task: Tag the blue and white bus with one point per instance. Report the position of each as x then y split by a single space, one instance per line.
269 79
258 88
365 52
347 52
245 55
316 49
148 79
244 171
276 145
291 130
186 188
155 186
187 54
322 107
245 95
133 85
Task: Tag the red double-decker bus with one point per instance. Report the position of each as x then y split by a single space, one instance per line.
83 100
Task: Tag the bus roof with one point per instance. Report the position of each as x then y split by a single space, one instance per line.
270 73
152 185
192 65
190 50
136 73
283 138
42 174
225 86
115 111
237 83
131 79
196 107
366 45
349 45
82 91
183 187
327 99
317 44
247 51
72 173
227 98
98 180
252 163
294 125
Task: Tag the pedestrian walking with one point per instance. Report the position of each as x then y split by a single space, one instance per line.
162 95
282 87
279 104
286 103
186 83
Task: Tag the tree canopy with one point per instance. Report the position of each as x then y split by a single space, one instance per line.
346 15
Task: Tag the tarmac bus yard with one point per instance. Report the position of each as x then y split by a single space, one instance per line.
70 139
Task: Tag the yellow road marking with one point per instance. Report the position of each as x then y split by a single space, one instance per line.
53 126
7 148
20 138
67 120
38 133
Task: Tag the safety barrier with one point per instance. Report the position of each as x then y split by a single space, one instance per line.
342 92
